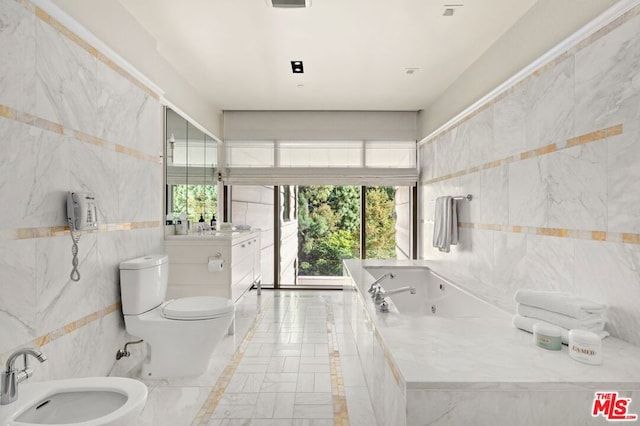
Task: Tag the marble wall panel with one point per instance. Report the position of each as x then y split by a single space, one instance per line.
140 189
458 155
89 351
473 140
18 287
94 169
59 299
509 124
17 56
49 77
427 155
623 183
66 81
111 249
550 115
494 195
606 86
528 192
610 273
510 262
481 256
35 175
578 187
119 106
443 155
550 263
548 209
17 176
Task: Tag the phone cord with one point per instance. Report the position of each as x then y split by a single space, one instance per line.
75 274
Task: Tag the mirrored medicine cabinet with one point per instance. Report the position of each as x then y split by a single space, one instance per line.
190 170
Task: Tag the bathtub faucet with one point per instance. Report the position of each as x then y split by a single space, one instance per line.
377 282
380 294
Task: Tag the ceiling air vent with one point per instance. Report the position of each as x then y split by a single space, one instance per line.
289 3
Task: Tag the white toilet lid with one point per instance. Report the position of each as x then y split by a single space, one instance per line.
199 307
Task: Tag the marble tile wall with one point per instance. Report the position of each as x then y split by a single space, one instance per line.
70 120
553 165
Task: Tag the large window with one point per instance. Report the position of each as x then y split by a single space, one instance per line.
328 228
380 222
330 220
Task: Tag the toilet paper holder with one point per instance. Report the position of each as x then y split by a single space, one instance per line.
215 263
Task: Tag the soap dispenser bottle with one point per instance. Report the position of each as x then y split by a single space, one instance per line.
213 221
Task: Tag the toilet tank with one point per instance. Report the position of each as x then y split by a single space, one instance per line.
143 283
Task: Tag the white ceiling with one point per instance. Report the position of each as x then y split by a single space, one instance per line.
237 53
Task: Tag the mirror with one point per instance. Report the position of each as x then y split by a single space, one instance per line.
190 170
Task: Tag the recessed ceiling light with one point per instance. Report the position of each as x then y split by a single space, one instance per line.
297 67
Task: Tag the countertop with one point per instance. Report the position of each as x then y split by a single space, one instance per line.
212 235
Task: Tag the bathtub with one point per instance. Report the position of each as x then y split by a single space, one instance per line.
449 355
434 294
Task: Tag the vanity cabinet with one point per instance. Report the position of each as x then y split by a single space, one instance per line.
193 261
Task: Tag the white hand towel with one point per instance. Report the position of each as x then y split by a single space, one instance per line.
561 303
594 322
453 207
526 324
445 223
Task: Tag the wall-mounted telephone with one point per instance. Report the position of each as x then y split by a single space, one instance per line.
82 215
82 212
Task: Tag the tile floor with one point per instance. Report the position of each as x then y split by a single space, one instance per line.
292 361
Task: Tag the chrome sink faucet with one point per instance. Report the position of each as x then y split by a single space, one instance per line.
377 282
380 294
11 377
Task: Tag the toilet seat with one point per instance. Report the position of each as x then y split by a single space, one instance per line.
197 308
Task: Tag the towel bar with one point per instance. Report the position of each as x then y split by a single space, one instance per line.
469 197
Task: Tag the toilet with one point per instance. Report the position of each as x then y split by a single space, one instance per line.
181 334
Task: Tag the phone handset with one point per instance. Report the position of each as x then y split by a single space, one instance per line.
82 215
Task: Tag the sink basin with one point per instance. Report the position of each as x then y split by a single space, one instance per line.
87 401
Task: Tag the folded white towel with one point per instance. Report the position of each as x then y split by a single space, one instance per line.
561 303
445 223
593 322
526 324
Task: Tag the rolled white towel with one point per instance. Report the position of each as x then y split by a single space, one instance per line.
526 324
561 303
592 322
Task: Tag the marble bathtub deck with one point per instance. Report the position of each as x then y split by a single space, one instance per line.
278 369
433 352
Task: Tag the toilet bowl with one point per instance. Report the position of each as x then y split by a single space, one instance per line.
180 334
